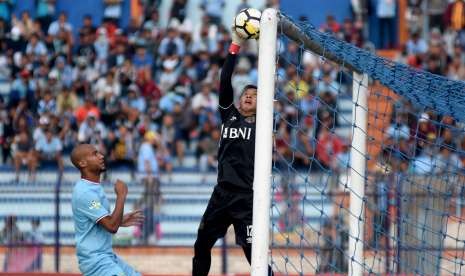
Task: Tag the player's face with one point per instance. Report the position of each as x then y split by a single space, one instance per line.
248 101
95 161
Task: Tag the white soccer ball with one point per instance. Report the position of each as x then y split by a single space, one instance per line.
247 23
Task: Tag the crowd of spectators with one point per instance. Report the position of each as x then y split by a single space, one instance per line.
109 85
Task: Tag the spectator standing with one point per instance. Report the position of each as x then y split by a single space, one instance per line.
35 235
10 233
147 163
102 49
386 13
148 171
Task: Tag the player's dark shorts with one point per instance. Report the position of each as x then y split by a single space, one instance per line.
228 207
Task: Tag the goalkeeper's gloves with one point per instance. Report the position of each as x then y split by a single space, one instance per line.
236 43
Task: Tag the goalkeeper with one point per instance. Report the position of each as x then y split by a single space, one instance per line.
232 198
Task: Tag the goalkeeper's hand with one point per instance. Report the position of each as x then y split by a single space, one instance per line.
236 39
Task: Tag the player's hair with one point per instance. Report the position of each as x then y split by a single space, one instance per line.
248 86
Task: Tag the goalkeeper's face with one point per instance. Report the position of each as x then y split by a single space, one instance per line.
248 101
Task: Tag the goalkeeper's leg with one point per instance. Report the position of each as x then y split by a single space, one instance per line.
202 254
214 224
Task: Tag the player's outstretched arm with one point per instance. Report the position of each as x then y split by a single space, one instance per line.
112 222
226 96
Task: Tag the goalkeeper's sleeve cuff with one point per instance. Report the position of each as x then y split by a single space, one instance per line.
234 48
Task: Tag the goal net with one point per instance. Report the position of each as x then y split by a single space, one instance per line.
367 173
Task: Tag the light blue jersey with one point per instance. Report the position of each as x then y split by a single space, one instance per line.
93 242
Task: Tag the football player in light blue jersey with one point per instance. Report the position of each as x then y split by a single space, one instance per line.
94 223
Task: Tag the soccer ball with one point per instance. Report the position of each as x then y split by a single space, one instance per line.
247 23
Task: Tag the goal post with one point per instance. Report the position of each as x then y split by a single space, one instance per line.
381 202
264 142
358 164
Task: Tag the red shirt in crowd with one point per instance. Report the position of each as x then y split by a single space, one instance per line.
83 111
328 146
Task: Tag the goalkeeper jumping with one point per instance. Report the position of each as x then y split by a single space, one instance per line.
232 198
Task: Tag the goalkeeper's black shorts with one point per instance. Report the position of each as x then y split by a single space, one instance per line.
228 207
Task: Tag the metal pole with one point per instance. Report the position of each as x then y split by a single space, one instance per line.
224 256
57 222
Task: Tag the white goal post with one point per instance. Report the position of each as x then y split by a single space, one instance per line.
264 142
264 145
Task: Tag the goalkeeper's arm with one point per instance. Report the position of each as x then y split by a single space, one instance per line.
226 96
